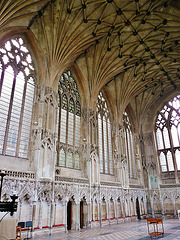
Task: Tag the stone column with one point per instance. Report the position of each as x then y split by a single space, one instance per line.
122 208
99 213
51 217
115 210
89 214
33 215
77 227
40 216
130 208
93 210
65 214
107 211
152 206
145 204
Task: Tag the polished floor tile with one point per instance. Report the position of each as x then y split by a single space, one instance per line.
128 230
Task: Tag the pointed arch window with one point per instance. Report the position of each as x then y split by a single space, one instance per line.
104 136
167 129
17 75
129 145
69 118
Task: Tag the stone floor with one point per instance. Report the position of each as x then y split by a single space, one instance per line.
129 230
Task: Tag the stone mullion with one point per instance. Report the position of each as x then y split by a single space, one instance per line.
78 214
65 213
34 215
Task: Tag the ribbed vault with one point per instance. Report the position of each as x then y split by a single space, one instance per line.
129 46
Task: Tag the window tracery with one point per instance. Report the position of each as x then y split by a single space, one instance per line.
17 75
68 128
168 135
104 136
129 146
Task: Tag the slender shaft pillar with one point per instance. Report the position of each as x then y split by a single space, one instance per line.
77 215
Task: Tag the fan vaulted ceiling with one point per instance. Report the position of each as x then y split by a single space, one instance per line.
129 47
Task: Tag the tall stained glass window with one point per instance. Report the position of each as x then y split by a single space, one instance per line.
129 146
104 136
168 135
17 76
68 127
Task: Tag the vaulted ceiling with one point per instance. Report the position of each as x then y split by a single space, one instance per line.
130 48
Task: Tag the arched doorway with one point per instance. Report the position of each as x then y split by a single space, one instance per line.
81 215
83 212
138 209
69 215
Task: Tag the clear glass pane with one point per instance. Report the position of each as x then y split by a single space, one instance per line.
100 142
4 103
62 158
163 162
77 161
15 52
26 122
126 148
159 139
63 126
15 115
129 153
64 102
177 154
166 137
133 159
69 160
174 136
71 106
77 131
70 128
170 161
110 149
105 146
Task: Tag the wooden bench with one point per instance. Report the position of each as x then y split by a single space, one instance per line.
155 222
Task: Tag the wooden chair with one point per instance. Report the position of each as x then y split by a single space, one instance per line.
155 222
18 233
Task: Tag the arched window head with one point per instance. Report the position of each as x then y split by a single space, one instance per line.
17 74
69 116
129 146
167 129
104 136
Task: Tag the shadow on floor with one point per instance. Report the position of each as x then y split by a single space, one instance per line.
155 237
